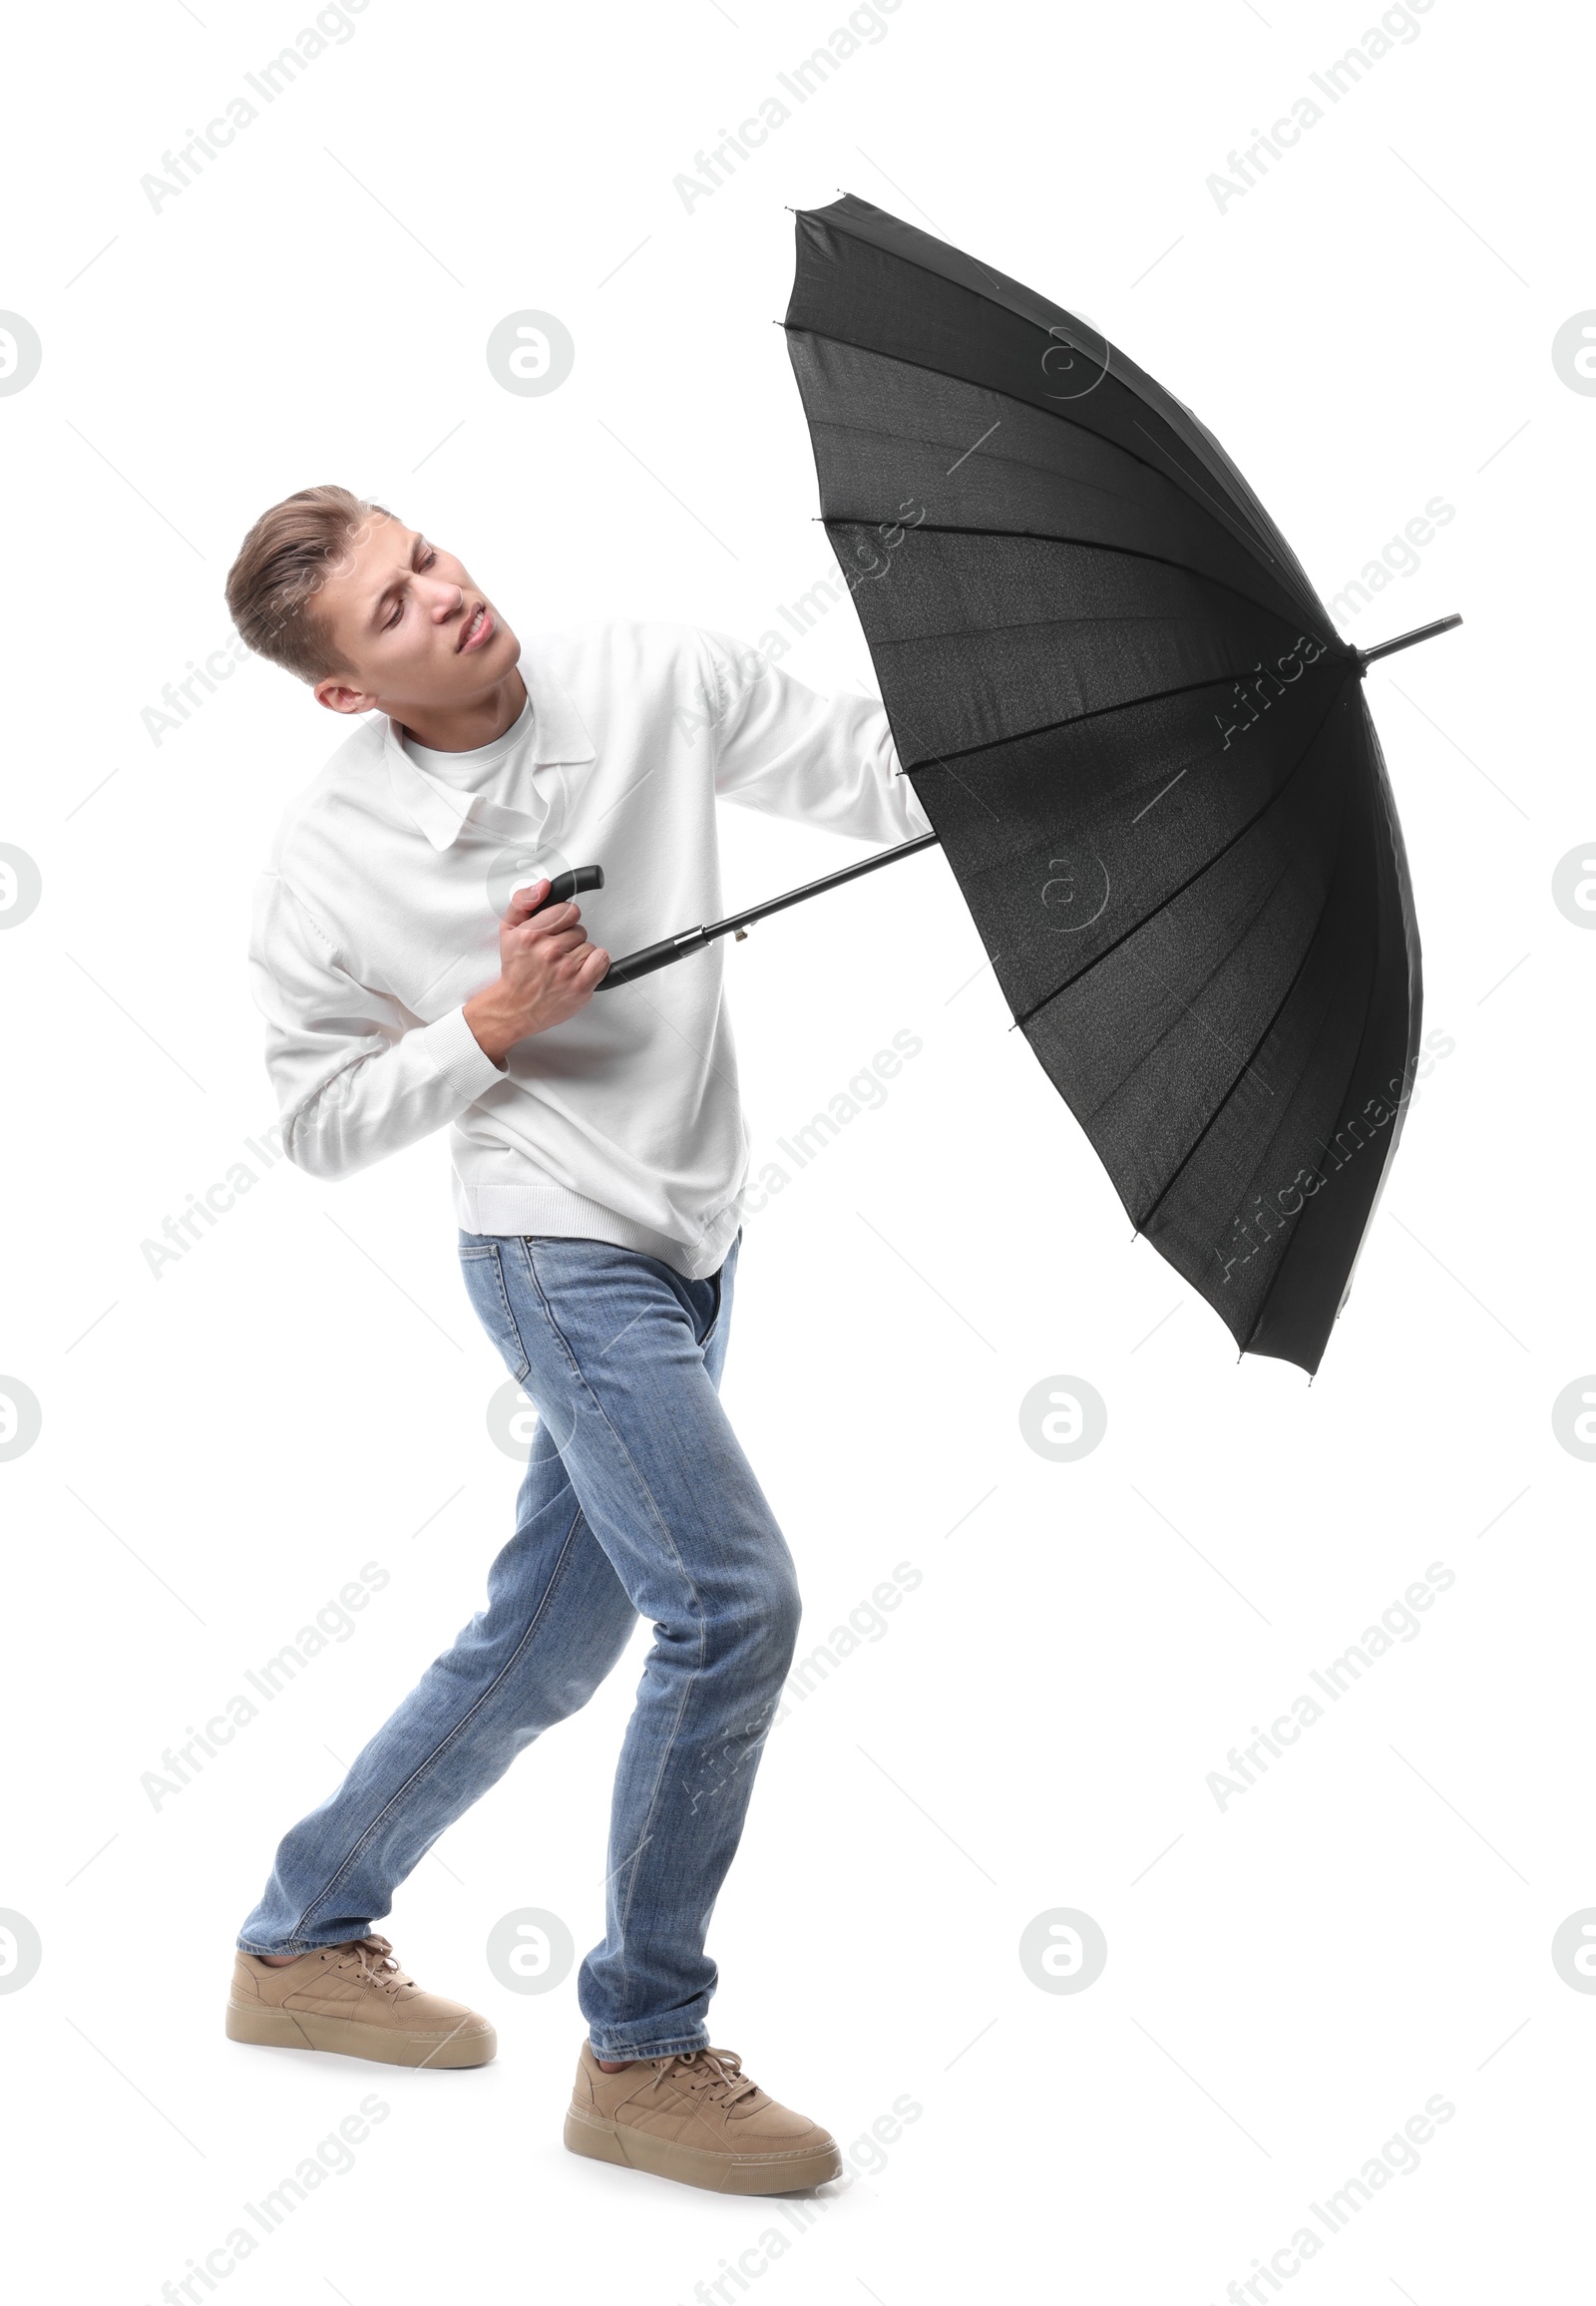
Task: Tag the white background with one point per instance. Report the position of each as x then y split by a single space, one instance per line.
1289 1980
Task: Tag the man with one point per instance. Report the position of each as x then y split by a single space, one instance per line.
415 977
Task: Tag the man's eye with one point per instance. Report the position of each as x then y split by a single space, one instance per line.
426 561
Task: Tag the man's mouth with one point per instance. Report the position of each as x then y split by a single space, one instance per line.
479 627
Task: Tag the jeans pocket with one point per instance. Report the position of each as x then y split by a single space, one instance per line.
485 1286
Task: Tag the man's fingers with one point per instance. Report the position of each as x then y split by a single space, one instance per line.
553 918
546 927
558 945
522 901
596 963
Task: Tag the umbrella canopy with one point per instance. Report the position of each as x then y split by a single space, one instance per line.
1143 748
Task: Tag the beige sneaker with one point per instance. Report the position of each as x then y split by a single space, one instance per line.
697 2119
355 1999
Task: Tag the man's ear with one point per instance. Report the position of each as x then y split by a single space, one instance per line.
336 693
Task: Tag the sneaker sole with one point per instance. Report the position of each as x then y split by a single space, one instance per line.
285 2030
719 2173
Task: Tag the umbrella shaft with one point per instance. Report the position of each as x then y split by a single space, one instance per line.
814 887
652 956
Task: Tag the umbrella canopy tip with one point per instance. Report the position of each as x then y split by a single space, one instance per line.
1366 656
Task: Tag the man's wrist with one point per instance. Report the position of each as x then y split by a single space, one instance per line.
492 1034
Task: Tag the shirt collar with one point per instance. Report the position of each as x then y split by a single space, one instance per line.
441 811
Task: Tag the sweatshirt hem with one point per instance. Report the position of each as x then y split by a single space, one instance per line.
547 1208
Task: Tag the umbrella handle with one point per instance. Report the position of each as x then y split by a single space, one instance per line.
564 886
648 958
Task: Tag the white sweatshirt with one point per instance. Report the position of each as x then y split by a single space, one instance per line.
378 917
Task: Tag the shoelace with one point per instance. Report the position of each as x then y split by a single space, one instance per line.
373 1959
719 2073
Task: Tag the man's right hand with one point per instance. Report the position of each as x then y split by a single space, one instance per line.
547 972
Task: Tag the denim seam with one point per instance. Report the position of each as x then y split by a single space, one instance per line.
624 1913
653 1803
559 1334
423 1767
493 1254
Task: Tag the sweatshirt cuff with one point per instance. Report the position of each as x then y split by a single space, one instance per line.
458 1058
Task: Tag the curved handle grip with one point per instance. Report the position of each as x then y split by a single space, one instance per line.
564 886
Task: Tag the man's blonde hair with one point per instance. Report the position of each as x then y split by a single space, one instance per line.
282 564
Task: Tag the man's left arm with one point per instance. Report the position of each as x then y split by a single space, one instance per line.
829 760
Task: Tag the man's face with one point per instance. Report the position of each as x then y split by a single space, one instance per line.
410 627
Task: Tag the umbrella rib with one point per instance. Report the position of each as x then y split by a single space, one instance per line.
1208 862
900 257
1245 1063
1085 543
852 428
1037 625
1207 492
1075 720
1154 1206
1352 1074
949 280
1232 524
1068 720
855 430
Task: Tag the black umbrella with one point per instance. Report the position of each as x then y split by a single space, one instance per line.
1142 746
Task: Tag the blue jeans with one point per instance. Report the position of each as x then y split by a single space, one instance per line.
637 1498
